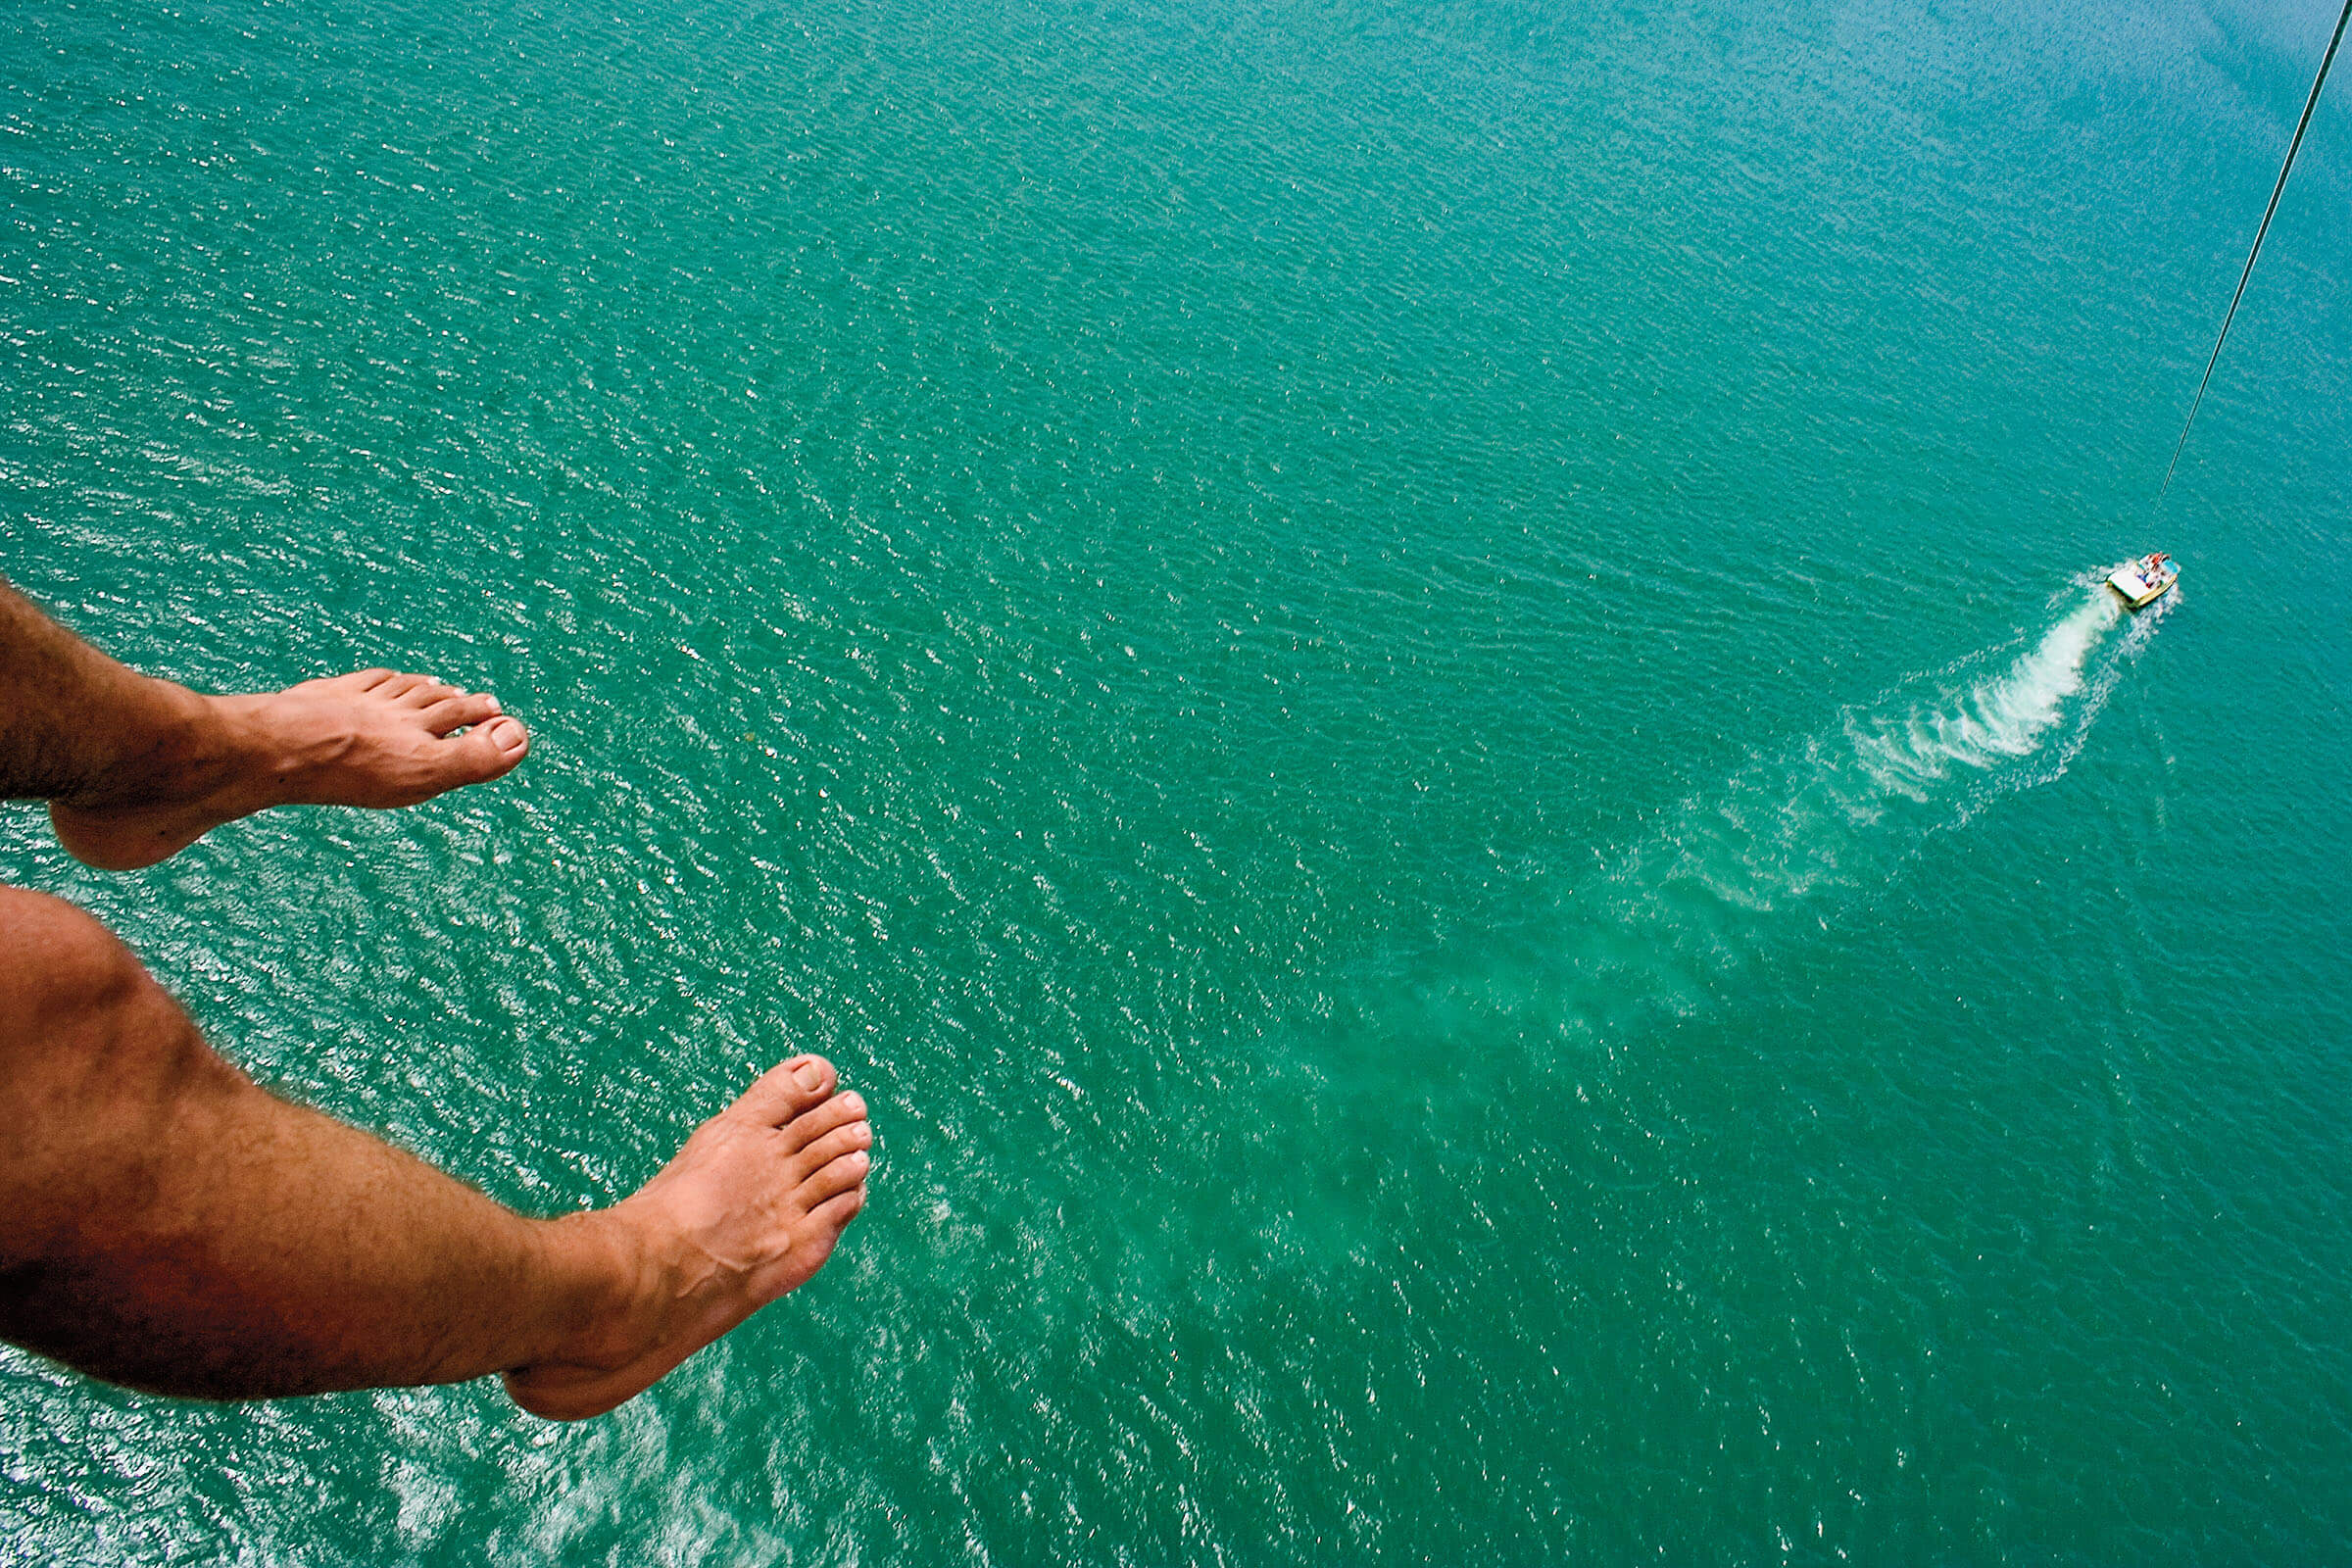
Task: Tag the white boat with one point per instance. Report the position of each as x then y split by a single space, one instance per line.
2145 581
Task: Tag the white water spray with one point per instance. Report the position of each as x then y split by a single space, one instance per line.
1844 809
1818 824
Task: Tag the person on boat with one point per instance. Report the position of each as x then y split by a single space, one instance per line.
175 1227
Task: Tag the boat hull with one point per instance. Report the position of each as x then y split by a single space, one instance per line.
2139 590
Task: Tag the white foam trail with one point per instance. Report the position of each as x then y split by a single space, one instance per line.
1834 815
1814 826
1998 719
1842 807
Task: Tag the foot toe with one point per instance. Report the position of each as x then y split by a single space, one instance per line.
855 1137
836 1177
836 1212
400 684
787 1089
427 692
821 1120
456 712
484 751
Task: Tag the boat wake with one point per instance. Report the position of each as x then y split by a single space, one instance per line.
1816 824
1926 756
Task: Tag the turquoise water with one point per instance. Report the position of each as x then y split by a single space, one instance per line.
1418 691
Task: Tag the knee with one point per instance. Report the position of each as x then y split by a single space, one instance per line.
61 972
96 1059
85 1032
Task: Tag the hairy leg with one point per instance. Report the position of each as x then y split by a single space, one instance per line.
135 770
173 1227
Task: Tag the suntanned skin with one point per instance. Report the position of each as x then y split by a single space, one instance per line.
173 1227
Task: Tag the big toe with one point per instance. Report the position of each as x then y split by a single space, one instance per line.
788 1088
485 751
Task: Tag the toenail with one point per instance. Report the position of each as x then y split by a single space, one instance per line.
852 1104
807 1077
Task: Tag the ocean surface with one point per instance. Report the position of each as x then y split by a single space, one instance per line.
1419 689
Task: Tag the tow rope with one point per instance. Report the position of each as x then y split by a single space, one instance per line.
2292 147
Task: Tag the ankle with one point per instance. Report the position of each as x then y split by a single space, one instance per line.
167 744
607 1289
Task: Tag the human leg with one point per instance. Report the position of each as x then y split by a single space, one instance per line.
135 769
173 1227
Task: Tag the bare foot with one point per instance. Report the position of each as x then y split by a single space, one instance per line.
374 738
749 1210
